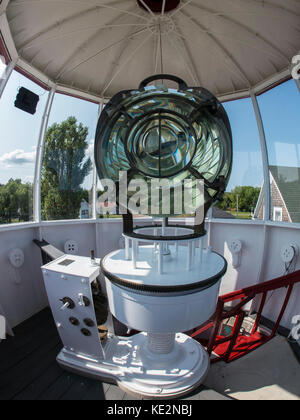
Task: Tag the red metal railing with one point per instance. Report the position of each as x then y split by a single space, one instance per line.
238 344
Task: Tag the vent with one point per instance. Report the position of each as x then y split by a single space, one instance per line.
156 5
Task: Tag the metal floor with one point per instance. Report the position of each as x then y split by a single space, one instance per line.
28 369
270 373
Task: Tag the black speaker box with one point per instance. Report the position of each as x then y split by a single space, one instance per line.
27 101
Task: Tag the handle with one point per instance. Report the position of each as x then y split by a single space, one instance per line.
81 300
65 306
181 83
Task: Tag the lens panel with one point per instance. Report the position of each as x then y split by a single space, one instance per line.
158 132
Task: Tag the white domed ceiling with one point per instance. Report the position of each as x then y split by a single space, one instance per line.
104 46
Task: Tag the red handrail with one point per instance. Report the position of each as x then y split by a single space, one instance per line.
239 344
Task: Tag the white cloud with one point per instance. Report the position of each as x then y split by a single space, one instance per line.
17 157
90 149
29 178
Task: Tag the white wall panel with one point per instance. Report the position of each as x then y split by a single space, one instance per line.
22 292
20 301
274 267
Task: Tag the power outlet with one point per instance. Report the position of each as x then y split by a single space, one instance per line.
71 247
16 257
289 253
235 247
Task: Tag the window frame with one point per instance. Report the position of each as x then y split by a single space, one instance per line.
275 210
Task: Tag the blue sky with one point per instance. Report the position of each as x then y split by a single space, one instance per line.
247 162
280 110
20 131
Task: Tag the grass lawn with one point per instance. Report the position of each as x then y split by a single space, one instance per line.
241 215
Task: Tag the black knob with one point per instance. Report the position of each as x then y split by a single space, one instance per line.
69 301
74 321
89 322
86 301
86 332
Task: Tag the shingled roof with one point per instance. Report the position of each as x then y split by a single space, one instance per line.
288 182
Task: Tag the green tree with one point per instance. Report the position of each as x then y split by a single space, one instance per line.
64 170
246 197
226 202
15 201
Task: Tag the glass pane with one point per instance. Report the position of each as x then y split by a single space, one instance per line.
168 135
280 109
19 138
243 190
67 172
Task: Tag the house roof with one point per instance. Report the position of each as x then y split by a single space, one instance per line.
287 179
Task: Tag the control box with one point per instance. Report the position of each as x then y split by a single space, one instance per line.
68 282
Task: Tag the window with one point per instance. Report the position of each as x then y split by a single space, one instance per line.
67 171
19 137
2 67
277 214
241 197
280 109
85 214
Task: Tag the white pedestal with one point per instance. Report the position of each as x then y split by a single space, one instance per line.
160 362
129 363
